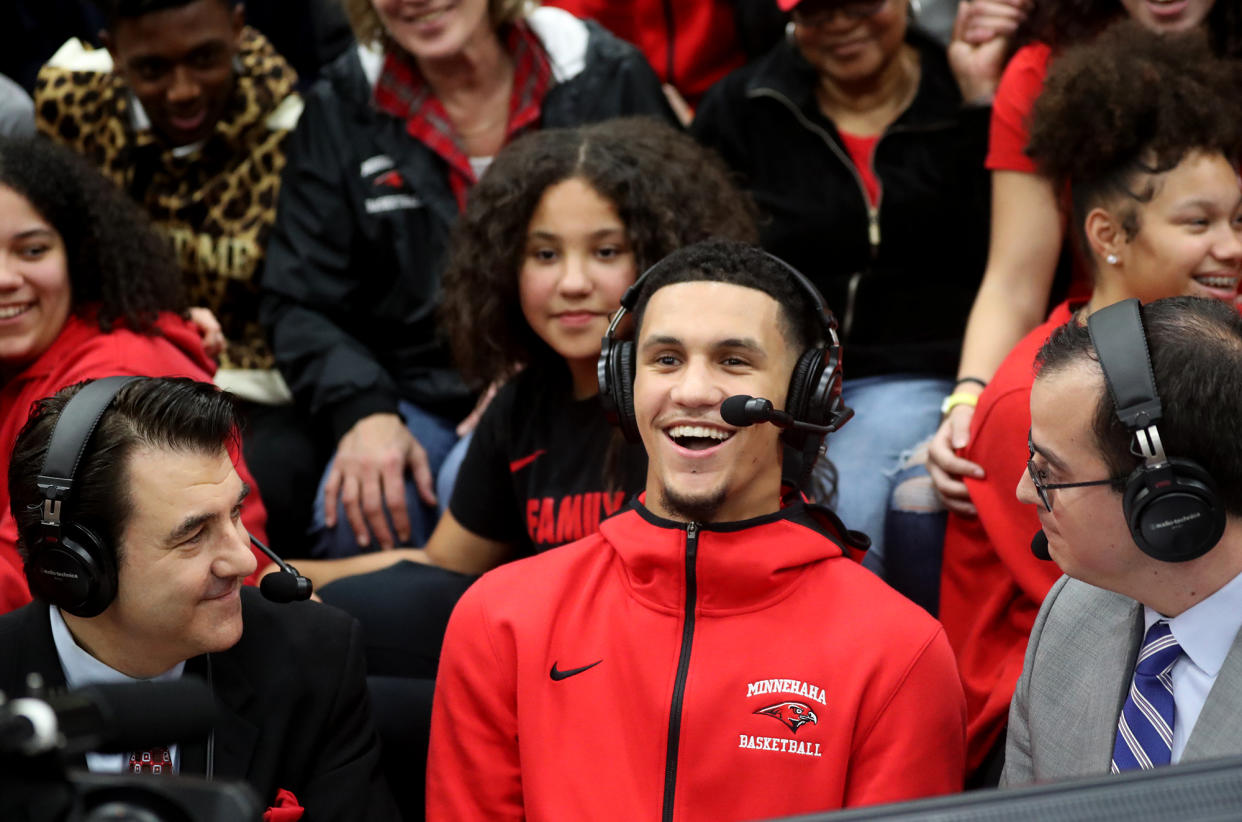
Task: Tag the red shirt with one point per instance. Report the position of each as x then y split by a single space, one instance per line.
82 352
991 585
1019 87
690 45
861 150
807 683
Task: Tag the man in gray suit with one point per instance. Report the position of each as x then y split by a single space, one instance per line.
1136 472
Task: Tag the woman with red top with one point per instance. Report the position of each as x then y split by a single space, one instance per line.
1028 221
87 289
862 142
1142 127
392 137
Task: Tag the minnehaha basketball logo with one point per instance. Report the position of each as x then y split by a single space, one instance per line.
793 714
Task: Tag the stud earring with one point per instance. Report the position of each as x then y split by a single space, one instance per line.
1112 259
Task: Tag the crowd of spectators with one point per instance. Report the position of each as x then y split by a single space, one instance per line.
396 231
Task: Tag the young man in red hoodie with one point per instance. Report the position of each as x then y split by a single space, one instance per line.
711 653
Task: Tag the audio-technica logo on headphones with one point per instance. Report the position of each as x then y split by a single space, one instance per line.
1170 523
54 573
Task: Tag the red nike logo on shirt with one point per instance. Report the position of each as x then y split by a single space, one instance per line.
518 465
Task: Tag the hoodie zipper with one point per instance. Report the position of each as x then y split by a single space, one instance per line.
873 212
683 670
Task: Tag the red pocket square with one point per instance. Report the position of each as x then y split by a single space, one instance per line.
286 808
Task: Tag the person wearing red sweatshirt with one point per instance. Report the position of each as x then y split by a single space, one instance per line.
714 652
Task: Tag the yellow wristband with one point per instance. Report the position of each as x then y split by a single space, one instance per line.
958 398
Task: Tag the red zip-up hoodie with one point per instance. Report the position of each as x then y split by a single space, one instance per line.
664 670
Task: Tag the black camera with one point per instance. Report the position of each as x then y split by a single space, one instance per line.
41 736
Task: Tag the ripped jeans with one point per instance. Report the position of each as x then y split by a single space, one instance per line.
914 533
893 414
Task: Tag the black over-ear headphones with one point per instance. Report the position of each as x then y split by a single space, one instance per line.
1171 505
814 394
72 566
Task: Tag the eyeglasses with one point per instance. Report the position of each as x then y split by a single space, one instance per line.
815 12
1042 488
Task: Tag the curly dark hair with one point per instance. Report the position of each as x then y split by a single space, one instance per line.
668 191
116 259
1129 105
1063 23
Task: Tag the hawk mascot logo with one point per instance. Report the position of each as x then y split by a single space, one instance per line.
793 714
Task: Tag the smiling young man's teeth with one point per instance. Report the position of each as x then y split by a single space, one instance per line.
698 431
10 311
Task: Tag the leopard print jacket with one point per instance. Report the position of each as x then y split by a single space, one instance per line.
217 204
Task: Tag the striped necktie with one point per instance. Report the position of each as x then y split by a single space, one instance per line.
1145 729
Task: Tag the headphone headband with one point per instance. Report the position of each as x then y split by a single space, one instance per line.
1171 505
1120 343
70 565
77 422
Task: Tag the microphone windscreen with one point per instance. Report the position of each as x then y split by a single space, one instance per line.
1039 546
131 716
733 410
280 586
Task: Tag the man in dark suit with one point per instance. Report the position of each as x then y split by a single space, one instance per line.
138 571
1135 659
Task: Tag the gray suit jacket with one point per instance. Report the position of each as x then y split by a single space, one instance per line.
1078 668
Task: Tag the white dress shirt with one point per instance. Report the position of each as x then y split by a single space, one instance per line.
83 669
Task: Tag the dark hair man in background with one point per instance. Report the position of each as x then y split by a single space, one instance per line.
157 485
711 651
188 110
1135 659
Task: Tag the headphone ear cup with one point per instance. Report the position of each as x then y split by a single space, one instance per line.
76 573
616 385
623 391
800 399
1178 520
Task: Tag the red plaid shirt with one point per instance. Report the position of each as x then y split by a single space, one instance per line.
402 92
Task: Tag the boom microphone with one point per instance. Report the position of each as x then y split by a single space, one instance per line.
743 410
108 718
285 585
1039 545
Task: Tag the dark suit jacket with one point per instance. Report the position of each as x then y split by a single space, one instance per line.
293 707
